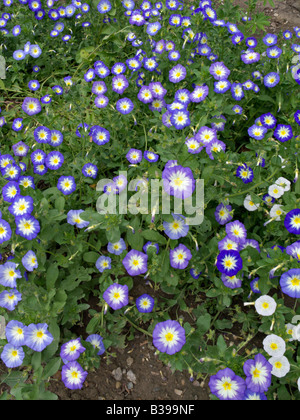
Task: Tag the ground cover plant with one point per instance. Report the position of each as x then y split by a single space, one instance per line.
102 102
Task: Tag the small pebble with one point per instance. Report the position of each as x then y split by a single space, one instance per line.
131 376
129 361
117 374
178 392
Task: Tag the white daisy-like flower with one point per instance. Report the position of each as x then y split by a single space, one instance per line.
274 345
289 330
265 305
249 204
275 191
281 366
296 333
284 183
276 211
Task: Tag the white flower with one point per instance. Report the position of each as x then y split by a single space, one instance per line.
265 305
296 333
276 191
284 183
281 366
249 205
298 383
276 212
274 345
289 331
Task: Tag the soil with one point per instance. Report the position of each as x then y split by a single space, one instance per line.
285 15
151 379
135 374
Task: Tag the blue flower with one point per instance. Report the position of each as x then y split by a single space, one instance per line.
177 228
10 298
66 184
29 261
9 274
15 333
116 248
21 206
73 375
259 374
12 356
229 262
245 173
72 350
37 337
103 263
145 304
5 231
290 283
227 386
97 342
169 337
116 296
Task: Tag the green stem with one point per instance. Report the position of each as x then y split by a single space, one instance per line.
138 328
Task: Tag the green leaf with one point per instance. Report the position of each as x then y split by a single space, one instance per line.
221 344
213 293
153 236
113 234
93 325
265 98
51 368
223 324
203 323
52 348
60 203
14 378
47 396
135 240
36 360
283 394
51 276
90 257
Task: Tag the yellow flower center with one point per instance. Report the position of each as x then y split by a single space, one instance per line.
169 337
227 386
295 282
